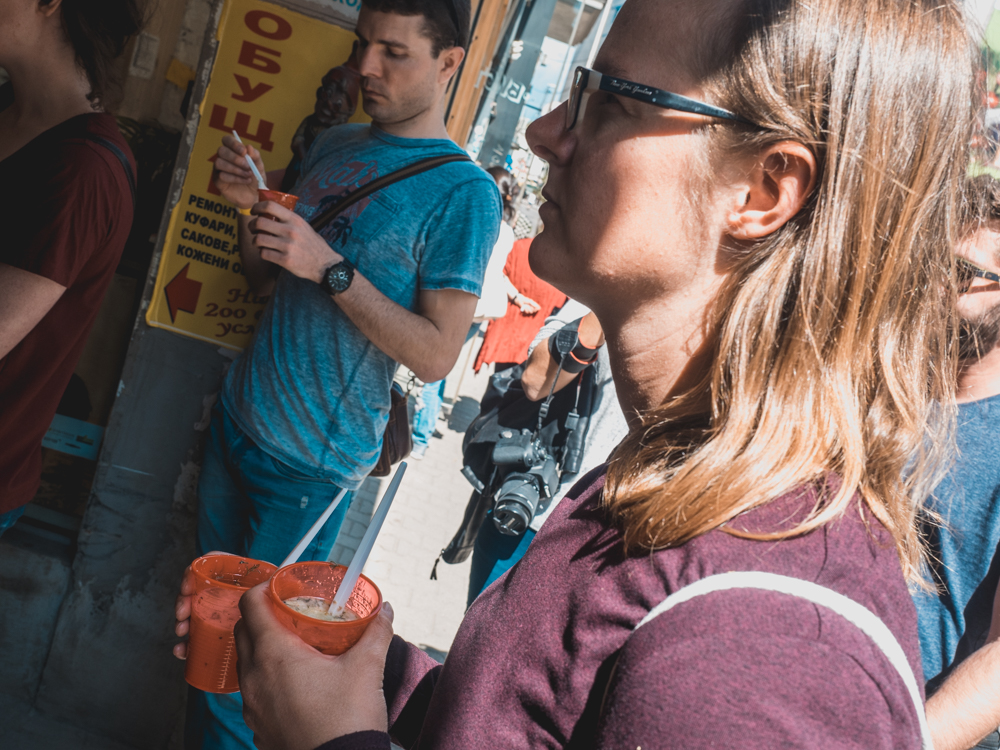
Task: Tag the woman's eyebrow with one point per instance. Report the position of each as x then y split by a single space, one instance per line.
610 68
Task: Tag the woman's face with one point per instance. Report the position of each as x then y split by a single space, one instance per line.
629 214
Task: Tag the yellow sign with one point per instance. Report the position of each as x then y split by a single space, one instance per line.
269 63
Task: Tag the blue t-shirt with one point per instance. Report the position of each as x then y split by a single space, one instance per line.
956 622
311 390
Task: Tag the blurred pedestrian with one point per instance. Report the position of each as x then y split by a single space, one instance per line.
530 302
961 656
67 192
494 552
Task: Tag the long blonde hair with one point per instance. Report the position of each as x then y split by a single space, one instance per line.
832 340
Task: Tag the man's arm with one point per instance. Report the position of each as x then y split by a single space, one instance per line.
25 298
427 342
541 370
966 707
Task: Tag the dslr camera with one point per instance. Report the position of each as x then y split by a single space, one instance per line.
529 473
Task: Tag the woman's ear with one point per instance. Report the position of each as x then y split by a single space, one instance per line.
775 189
48 7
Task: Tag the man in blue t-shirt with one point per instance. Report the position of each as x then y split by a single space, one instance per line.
393 280
961 661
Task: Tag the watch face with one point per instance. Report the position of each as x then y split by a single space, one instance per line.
339 278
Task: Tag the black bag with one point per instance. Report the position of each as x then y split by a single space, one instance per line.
506 407
396 441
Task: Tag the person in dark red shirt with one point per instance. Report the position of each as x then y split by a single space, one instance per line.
759 211
66 204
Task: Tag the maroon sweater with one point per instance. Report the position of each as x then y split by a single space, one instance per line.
537 651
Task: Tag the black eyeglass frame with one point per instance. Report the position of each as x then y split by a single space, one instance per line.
975 272
586 81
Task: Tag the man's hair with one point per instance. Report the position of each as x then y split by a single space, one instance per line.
832 341
982 196
505 184
980 335
99 32
446 22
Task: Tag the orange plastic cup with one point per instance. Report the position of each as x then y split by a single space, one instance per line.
220 581
321 579
285 199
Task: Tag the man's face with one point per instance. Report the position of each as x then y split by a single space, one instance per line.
979 307
625 217
400 78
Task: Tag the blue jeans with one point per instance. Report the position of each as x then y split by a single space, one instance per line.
990 742
426 417
493 555
251 504
9 518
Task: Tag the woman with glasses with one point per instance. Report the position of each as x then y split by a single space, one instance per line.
757 200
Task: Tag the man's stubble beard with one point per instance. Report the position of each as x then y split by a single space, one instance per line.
979 336
392 112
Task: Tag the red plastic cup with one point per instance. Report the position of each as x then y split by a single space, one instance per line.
321 579
220 581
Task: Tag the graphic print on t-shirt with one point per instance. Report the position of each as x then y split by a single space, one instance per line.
331 185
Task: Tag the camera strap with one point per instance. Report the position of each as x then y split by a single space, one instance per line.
573 418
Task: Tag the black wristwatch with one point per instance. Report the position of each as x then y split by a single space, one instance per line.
338 277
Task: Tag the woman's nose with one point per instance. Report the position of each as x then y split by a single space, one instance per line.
548 138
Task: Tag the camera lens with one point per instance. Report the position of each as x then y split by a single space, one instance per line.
516 503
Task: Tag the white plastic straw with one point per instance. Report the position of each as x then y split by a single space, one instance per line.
304 542
253 167
367 543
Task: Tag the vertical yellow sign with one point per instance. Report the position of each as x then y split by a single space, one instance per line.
268 67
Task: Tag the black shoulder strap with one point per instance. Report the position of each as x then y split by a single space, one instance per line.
375 185
114 149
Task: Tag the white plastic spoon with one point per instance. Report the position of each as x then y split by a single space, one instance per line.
346 587
253 167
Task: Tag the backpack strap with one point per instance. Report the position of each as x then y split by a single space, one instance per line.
120 155
857 614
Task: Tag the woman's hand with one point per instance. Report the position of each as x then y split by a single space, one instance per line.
528 306
287 240
294 697
232 175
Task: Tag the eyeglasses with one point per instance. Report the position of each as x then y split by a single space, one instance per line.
587 81
969 272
